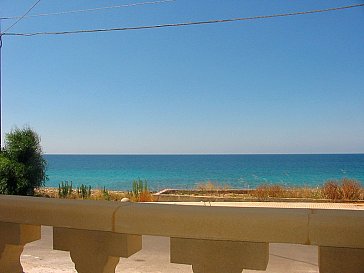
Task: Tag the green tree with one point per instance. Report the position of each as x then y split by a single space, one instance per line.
22 166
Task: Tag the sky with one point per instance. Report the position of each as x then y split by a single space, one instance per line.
281 85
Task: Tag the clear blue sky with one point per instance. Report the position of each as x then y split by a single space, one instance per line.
283 85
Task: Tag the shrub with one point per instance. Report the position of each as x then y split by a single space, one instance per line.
350 189
140 192
12 176
84 192
344 189
22 166
331 190
65 190
106 194
139 186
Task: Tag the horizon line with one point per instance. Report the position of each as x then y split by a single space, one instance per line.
358 153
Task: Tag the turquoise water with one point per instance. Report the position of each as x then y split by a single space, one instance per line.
185 171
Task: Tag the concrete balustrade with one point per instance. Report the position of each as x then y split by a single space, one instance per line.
95 251
216 237
212 256
341 259
13 237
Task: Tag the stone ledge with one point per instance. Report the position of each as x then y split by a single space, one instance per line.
337 225
82 214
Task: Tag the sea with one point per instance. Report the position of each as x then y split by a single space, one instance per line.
117 172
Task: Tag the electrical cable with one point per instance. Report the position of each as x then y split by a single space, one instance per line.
187 23
90 9
20 18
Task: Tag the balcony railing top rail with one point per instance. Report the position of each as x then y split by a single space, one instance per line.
335 225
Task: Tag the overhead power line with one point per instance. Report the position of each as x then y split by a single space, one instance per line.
20 18
89 10
188 23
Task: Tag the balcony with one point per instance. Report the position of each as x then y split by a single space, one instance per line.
212 237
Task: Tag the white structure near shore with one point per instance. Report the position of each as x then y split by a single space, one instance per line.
212 237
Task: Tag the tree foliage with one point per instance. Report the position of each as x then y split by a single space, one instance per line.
22 166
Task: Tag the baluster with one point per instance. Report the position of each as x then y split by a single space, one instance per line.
95 251
210 256
340 259
13 237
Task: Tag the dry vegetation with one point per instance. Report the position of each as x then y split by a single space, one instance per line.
145 196
210 186
335 190
344 189
278 191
